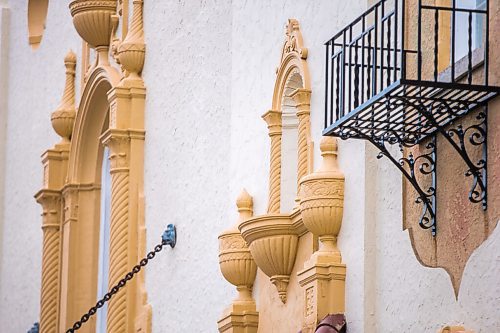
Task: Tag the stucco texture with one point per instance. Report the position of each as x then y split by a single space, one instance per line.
210 72
35 86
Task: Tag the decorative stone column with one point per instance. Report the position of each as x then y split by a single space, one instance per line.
273 120
321 202
128 310
302 98
119 231
49 299
55 164
239 268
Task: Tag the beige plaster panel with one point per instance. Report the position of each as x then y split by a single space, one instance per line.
461 225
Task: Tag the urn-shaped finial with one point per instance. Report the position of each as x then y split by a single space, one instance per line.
236 261
131 51
64 117
322 200
244 202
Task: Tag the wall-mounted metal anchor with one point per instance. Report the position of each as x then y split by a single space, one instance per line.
169 237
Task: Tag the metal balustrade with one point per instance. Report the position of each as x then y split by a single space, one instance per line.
404 71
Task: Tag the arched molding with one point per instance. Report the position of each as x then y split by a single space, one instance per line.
90 118
290 105
281 240
293 60
110 113
37 14
82 196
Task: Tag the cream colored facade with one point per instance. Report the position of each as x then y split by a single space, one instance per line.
198 100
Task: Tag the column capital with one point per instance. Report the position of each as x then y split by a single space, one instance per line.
50 200
273 120
302 99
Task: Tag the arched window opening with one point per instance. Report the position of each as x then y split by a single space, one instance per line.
105 221
290 137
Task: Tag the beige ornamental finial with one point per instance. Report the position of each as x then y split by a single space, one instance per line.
329 151
244 202
64 117
131 51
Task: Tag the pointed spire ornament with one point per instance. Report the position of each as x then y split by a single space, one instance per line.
63 117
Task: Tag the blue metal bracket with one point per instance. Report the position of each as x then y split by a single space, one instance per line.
169 236
35 328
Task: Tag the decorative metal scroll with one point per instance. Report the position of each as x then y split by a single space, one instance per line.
458 137
416 169
476 135
370 95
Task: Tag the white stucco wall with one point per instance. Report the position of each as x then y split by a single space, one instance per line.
4 56
210 71
35 86
188 114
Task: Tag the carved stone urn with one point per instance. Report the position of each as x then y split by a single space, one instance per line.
235 260
239 268
93 22
322 202
273 241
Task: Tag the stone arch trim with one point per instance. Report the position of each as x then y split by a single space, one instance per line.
88 124
71 201
81 199
111 113
293 62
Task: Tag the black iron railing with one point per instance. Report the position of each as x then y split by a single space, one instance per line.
368 60
363 58
404 71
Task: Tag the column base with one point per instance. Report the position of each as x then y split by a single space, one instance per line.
324 289
239 318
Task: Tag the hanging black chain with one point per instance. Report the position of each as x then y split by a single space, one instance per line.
168 238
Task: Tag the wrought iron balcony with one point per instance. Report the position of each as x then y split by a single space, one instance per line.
404 71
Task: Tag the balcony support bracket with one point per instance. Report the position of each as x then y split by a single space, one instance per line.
460 138
417 169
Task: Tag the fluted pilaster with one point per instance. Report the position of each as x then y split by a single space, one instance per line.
273 120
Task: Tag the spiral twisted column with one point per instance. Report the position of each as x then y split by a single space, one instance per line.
50 197
51 204
273 120
302 98
118 144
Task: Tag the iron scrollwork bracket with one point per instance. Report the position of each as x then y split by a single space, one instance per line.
414 169
459 137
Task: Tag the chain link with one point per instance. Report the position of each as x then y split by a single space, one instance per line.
129 276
